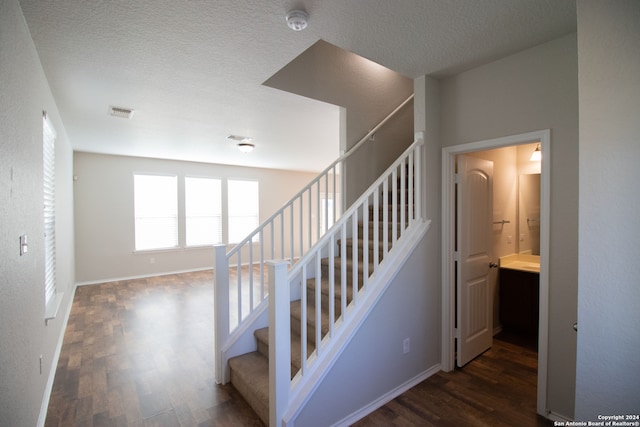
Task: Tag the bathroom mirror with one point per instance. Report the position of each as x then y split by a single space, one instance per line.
529 214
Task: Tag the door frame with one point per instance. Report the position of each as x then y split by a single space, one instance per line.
448 235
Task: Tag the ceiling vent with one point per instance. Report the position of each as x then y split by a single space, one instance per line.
123 113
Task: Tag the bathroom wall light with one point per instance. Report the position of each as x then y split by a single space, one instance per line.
536 156
246 147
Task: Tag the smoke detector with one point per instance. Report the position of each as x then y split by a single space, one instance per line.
297 20
123 113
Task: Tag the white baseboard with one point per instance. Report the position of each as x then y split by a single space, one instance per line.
557 417
54 364
141 276
384 399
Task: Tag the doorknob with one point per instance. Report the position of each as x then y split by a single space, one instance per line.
493 265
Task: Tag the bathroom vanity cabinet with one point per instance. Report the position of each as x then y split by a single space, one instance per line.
519 300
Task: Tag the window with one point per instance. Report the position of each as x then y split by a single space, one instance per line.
49 183
203 211
155 211
243 201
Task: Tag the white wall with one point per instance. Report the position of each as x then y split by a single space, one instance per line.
104 213
23 333
608 366
533 90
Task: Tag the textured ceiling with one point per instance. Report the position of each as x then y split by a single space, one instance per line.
193 69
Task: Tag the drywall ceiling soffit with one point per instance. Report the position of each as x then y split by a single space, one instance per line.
193 70
368 91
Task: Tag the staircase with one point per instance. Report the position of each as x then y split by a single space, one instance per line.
359 251
250 371
276 339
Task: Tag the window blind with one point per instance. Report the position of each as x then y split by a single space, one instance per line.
48 157
155 211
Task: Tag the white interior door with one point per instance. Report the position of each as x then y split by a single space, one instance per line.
474 242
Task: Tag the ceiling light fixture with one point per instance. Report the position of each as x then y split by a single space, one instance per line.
536 156
297 20
246 147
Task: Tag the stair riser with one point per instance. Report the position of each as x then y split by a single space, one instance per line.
260 407
311 330
263 348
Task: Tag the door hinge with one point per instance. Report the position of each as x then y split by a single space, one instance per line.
456 333
456 178
456 256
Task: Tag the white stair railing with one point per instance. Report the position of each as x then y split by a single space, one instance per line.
379 218
241 286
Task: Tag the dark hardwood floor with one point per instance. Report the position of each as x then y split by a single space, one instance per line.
497 388
140 353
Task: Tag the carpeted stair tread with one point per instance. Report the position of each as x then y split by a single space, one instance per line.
250 376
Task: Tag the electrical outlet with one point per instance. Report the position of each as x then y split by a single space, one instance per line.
406 345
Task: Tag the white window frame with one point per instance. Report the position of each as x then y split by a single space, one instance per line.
205 213
170 215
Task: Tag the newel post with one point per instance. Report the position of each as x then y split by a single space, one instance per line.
279 341
220 308
419 136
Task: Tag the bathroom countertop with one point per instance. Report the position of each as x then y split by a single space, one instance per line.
522 262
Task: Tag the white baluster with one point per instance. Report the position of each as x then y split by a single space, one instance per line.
318 298
365 243
239 283
303 319
343 270
262 265
418 192
412 196
332 283
403 190
385 217
376 224
291 237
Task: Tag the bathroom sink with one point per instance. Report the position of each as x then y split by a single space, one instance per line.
518 263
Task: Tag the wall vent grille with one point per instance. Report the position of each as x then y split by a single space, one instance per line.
124 113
